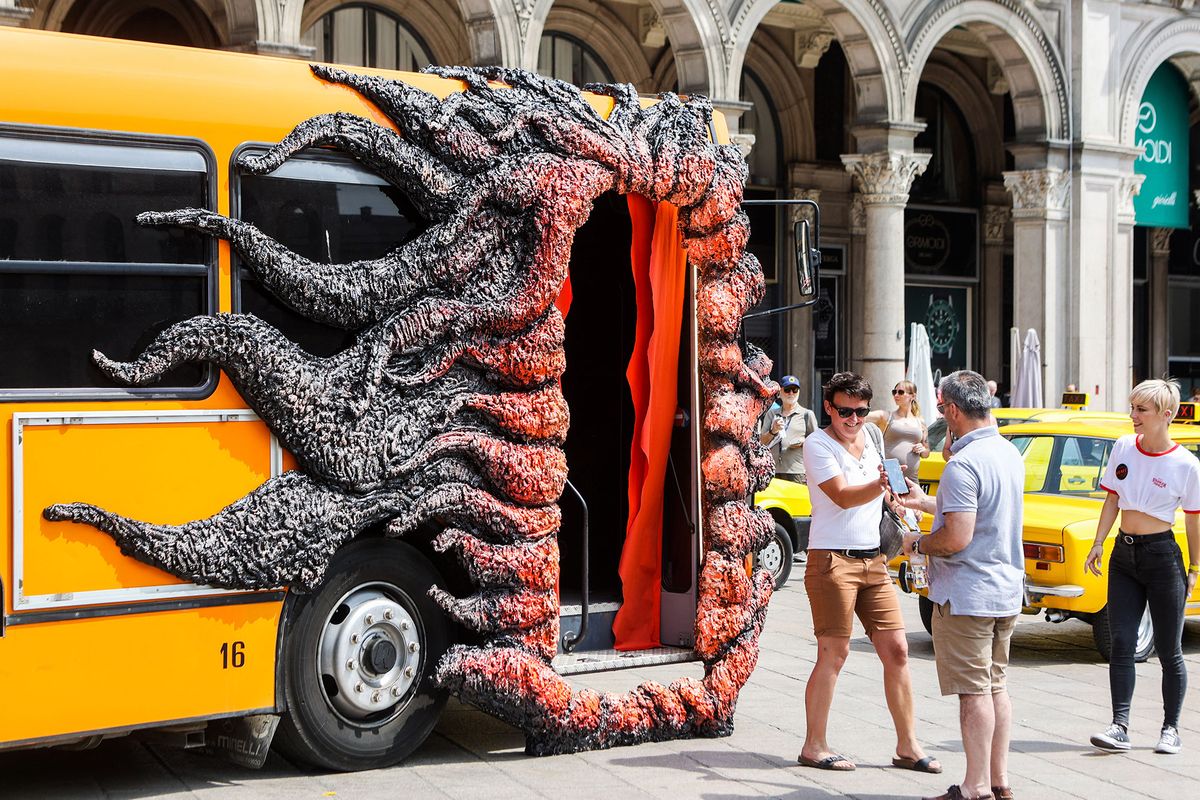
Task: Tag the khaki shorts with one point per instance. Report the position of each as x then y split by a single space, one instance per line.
839 587
971 652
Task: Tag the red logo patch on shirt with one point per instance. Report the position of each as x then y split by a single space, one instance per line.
1160 483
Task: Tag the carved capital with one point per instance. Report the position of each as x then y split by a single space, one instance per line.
858 215
1160 241
995 218
804 212
744 142
885 178
650 28
524 10
1038 192
1128 186
996 82
810 45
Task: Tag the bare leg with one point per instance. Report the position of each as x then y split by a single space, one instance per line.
892 648
977 718
1002 708
818 695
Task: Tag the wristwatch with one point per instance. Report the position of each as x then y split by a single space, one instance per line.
916 547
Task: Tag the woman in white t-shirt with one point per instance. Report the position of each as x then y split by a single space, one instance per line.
847 575
1147 479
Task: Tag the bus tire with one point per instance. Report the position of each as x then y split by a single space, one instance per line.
776 556
1102 636
358 694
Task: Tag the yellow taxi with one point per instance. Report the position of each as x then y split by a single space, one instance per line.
788 503
1064 462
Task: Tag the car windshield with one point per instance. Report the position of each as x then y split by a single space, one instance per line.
937 431
1069 465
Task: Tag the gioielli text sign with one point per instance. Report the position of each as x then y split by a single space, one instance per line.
1162 138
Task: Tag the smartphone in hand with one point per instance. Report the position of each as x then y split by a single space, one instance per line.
895 476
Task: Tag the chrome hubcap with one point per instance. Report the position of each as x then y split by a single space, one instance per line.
369 654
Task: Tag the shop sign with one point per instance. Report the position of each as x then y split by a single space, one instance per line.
945 313
941 242
1161 137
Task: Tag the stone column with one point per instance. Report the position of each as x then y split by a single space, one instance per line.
1156 292
991 289
884 179
1040 268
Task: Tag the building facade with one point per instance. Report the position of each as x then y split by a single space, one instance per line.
977 162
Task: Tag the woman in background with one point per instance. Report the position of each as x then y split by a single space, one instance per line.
905 435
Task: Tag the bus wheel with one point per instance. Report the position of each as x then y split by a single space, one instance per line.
776 556
358 660
1102 636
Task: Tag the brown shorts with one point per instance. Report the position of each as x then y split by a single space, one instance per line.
971 652
839 587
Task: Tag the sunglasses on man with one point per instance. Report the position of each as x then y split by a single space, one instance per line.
845 413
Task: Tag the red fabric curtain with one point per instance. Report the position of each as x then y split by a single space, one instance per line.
659 272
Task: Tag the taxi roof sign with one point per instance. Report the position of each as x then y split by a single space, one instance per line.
1187 413
1075 398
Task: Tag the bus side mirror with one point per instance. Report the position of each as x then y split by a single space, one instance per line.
808 263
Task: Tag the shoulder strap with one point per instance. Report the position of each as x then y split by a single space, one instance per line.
876 436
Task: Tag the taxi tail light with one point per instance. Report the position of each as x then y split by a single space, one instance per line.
1044 552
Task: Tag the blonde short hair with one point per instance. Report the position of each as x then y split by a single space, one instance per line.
1163 395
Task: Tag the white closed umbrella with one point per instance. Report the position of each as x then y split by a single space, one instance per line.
1028 391
920 371
1014 362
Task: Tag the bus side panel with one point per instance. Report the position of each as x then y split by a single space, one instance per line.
166 473
113 672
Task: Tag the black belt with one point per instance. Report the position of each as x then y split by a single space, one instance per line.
858 553
1128 538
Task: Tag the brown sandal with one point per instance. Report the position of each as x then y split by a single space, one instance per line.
955 793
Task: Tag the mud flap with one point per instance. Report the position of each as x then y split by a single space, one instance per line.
242 740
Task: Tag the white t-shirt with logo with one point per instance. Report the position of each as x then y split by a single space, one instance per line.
1152 483
833 527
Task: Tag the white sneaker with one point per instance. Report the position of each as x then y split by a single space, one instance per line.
1168 740
1113 740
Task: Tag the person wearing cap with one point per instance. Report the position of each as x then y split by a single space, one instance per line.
784 429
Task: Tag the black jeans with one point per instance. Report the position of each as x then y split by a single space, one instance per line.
1150 572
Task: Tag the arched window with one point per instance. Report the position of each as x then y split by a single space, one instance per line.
761 121
950 176
563 57
366 36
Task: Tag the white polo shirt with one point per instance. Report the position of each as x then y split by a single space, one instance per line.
1152 483
833 527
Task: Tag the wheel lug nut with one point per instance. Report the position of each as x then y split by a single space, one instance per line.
352 665
370 619
354 638
413 647
375 697
388 614
395 691
409 672
358 687
404 626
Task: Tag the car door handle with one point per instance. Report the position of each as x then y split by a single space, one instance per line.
1077 479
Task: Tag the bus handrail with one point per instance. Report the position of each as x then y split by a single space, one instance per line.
571 640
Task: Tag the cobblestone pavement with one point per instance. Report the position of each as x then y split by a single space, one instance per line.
1058 684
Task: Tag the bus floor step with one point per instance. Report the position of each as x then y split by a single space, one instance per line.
585 661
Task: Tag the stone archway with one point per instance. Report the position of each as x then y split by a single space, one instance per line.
607 35
777 73
1017 42
1178 42
173 21
867 34
428 20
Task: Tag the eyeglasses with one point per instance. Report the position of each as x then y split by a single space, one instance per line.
845 413
791 388
941 407
898 391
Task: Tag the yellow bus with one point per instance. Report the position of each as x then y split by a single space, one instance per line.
94 643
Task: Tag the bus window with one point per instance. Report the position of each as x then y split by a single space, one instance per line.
78 273
327 209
